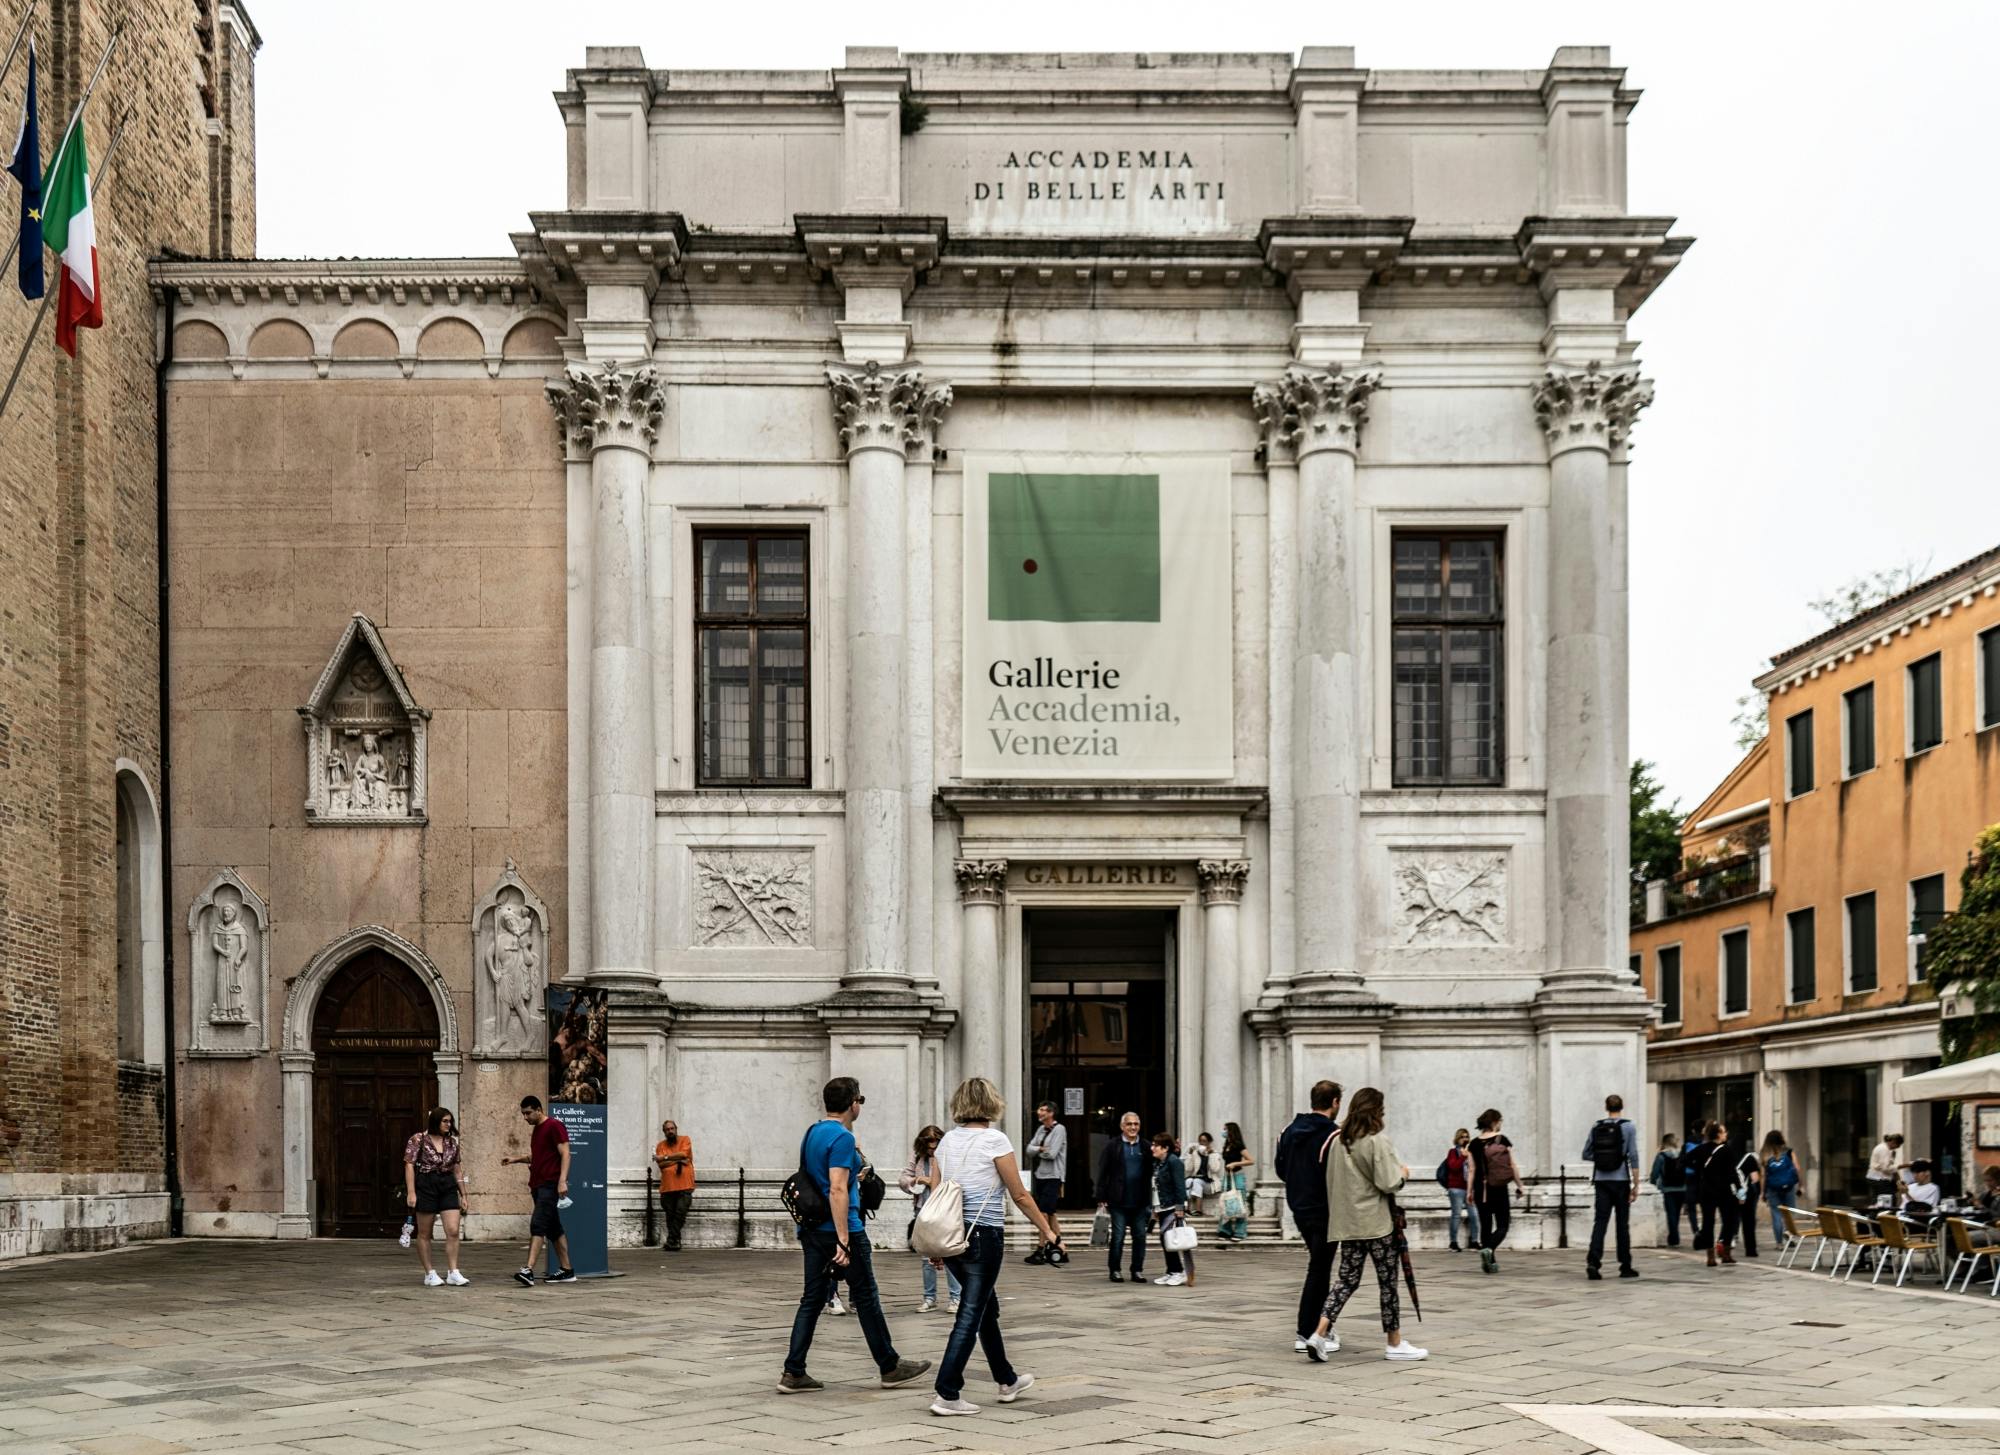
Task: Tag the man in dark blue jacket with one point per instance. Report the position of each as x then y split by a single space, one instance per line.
1125 1190
1305 1193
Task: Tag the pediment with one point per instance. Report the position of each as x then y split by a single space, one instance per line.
322 701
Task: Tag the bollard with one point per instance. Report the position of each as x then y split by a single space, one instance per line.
1562 1207
742 1213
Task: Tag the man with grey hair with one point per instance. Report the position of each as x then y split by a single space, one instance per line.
1047 1158
1125 1188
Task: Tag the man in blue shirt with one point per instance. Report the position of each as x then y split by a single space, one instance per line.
1612 1149
833 1161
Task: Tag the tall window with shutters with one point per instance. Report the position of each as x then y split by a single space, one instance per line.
1926 704
752 654
1670 985
1449 631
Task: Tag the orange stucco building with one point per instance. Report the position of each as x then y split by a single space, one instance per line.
1787 956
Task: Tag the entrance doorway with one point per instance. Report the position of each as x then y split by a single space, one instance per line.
1100 1001
375 1041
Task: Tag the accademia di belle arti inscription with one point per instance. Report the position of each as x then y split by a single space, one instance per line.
1085 189
1098 175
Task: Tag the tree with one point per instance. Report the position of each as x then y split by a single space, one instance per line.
1656 829
1752 720
1869 590
1962 956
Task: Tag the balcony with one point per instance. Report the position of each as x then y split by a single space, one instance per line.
1707 885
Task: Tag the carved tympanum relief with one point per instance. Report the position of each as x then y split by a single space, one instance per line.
1451 896
753 898
510 938
365 737
230 960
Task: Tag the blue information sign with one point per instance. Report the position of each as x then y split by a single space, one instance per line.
579 1075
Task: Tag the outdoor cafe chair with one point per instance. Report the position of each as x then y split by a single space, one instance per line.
1852 1235
1832 1234
1798 1232
1969 1254
1897 1238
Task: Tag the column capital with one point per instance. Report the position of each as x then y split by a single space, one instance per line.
1277 425
1588 408
878 411
1222 880
1310 410
980 881
599 406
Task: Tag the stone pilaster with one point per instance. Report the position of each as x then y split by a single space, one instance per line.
611 416
1222 992
981 889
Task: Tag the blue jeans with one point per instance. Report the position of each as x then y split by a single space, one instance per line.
1776 1197
867 1304
1673 1201
1235 1227
1461 1209
930 1280
1134 1220
977 1270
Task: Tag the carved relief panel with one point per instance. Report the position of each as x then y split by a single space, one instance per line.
229 961
753 899
510 965
365 737
1450 896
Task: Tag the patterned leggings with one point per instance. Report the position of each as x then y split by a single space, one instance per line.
1383 1251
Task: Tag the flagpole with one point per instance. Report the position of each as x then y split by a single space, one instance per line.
48 297
7 66
74 117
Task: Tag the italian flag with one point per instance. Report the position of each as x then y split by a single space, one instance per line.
70 232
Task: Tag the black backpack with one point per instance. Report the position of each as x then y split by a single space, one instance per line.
801 1196
1607 1144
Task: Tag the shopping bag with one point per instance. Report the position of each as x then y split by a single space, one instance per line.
1233 1206
1100 1229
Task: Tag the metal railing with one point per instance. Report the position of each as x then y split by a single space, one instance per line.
651 1203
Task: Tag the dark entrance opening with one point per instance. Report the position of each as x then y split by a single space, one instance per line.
1100 1001
375 1039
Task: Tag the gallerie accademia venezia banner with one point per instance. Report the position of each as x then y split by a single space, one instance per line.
1097 617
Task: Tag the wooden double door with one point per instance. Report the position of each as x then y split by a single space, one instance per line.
375 1040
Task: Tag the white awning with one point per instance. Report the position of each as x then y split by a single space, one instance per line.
1967 1081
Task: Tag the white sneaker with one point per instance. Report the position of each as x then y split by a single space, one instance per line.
927 1305
1317 1348
1299 1346
834 1305
431 1280
1405 1350
943 1406
456 1279
954 1307
1163 1280
1172 1280
1021 1385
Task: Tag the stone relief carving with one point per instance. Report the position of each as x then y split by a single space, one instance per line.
1222 880
980 881
1314 409
510 938
365 736
602 404
753 898
894 410
1589 407
229 960
1451 896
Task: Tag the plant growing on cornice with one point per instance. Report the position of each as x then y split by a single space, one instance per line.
915 114
1962 956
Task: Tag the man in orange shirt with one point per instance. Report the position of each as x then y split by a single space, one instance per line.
674 1156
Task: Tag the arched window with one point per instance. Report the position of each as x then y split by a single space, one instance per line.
142 1028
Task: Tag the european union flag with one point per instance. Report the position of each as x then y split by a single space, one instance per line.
26 166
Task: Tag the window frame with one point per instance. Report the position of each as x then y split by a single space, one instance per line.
1497 624
1847 768
1679 1002
1910 748
749 621
1847 942
1722 1011
1986 678
1792 790
1811 913
1915 967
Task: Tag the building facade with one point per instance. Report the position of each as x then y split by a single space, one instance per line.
85 1067
1103 571
1788 955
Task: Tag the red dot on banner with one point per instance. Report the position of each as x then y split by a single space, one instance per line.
1029 566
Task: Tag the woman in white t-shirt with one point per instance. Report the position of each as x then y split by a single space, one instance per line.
978 1157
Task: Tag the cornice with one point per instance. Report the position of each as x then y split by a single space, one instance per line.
571 250
1630 255
1958 590
1332 252
340 280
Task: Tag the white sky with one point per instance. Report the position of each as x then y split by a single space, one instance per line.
1815 417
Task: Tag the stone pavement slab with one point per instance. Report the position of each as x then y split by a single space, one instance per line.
335 1348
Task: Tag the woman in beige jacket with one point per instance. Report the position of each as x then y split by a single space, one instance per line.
1363 1174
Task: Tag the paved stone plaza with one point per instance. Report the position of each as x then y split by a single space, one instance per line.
335 1348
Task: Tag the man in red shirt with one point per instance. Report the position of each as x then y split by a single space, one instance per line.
548 1182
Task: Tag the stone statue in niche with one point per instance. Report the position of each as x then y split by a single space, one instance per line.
365 736
232 947
337 794
371 776
229 962
753 899
510 930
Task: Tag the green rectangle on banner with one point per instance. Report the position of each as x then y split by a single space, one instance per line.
1073 547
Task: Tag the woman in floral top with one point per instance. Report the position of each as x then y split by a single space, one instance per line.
433 1181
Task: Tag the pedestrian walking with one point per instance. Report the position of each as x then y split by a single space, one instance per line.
1493 1173
1298 1163
1715 1172
1236 1164
1612 1147
434 1188
1691 1159
673 1154
836 1246
1781 1181
1454 1175
1668 1177
1883 1166
548 1184
1747 1186
978 1157
1204 1172
1170 1210
1125 1189
1047 1156
1363 1176
920 1180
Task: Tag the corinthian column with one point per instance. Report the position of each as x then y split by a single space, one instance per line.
881 417
612 415
1586 414
1326 410
983 1003
1222 1008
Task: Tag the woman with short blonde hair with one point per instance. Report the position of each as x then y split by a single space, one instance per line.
977 1100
